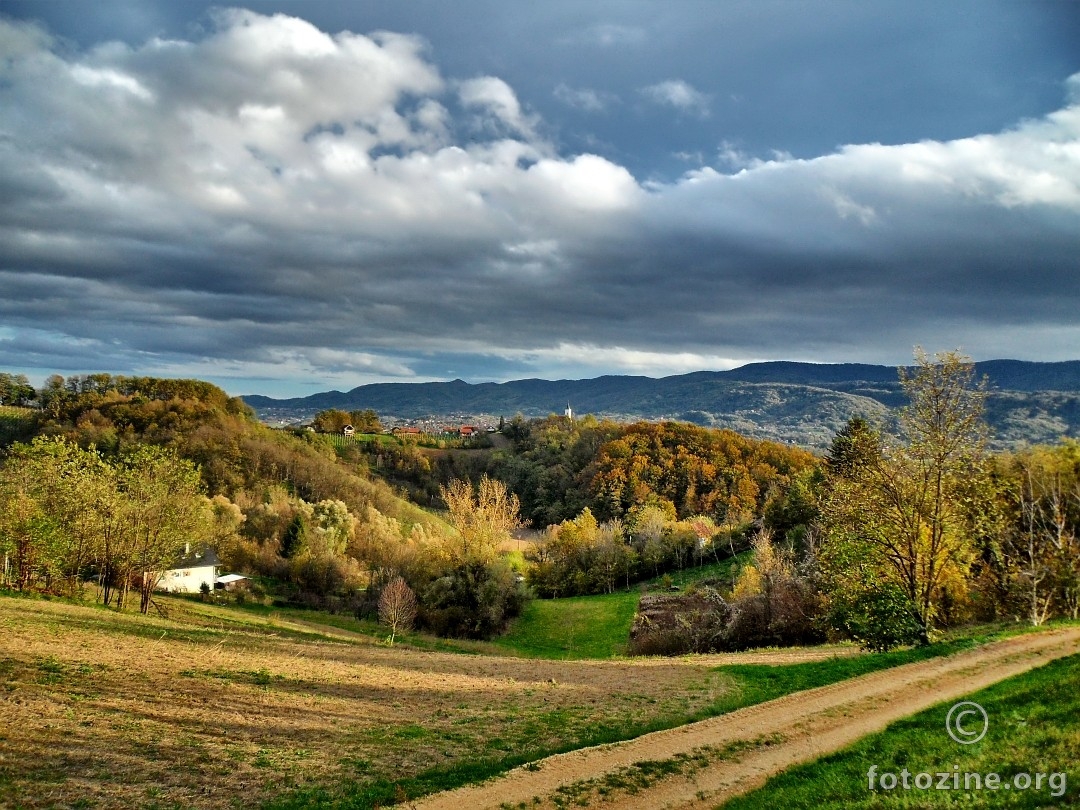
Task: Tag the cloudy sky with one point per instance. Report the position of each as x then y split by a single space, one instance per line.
290 197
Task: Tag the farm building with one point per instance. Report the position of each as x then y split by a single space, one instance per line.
231 582
190 571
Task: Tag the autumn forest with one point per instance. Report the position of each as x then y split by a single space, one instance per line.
894 534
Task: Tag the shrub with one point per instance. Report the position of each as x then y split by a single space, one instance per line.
668 624
880 619
474 600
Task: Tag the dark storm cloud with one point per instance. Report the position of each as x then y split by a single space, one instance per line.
268 200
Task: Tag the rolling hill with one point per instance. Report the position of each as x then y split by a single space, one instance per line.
800 403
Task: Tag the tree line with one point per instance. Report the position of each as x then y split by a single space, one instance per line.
126 472
897 536
68 515
335 421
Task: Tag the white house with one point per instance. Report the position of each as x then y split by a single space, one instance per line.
188 573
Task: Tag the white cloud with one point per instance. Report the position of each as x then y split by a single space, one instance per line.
588 182
325 361
590 358
497 97
584 98
678 94
270 193
92 77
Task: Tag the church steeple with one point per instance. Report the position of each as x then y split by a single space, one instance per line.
569 413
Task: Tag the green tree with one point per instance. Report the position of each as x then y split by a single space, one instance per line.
165 511
1042 546
331 421
909 504
15 389
293 538
49 519
366 421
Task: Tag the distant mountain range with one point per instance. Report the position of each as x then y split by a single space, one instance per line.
800 403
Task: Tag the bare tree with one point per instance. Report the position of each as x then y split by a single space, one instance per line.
397 607
1045 548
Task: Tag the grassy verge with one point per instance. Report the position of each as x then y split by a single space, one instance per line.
1034 727
580 627
574 627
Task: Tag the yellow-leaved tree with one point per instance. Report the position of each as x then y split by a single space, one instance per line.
898 512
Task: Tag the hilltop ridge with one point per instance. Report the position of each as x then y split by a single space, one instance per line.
795 402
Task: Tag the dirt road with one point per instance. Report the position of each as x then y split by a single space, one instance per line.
768 737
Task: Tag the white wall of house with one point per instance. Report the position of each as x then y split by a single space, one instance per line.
188 580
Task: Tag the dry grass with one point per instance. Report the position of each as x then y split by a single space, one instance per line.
99 709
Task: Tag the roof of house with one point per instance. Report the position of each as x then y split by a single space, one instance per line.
228 579
197 558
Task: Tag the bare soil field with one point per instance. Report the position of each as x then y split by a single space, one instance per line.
702 764
100 709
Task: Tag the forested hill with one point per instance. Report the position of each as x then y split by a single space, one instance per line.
802 403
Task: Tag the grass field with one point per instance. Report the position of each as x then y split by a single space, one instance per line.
1034 728
592 626
105 709
580 627
722 571
574 627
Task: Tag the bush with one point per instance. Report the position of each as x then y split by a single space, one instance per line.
702 621
668 624
881 619
474 600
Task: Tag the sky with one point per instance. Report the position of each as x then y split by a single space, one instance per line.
291 197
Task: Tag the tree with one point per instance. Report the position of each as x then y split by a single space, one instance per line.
483 518
331 528
50 525
910 503
366 421
855 447
165 510
480 591
397 607
293 538
54 396
1042 547
64 509
226 521
331 421
15 389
